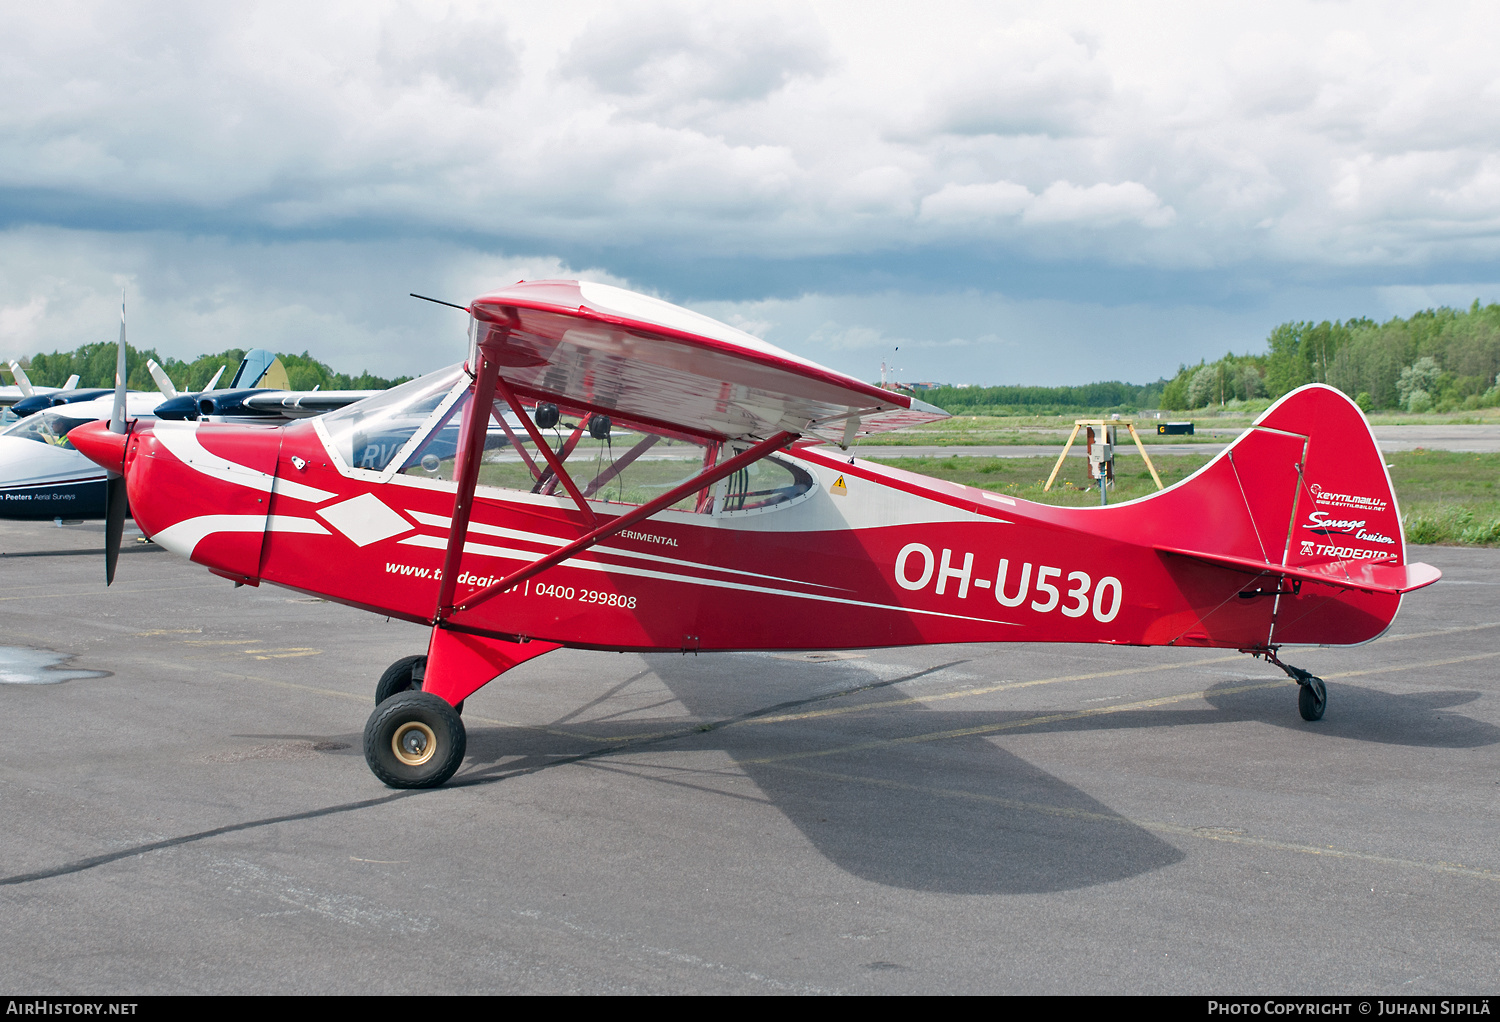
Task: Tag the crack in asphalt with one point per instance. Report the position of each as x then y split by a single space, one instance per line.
107 857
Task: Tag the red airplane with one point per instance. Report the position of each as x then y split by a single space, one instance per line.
726 521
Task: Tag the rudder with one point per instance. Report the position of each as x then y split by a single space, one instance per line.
1302 508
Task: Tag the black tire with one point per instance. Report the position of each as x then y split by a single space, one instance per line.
400 677
1312 699
414 740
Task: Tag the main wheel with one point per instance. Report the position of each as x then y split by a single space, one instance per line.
402 676
414 740
1312 698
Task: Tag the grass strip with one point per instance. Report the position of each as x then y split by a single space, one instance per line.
1446 497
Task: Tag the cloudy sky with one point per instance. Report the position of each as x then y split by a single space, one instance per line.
1009 192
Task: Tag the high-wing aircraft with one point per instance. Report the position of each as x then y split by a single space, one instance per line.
729 523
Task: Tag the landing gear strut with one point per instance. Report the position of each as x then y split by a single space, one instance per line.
1312 694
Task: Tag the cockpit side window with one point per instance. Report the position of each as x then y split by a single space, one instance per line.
45 428
609 462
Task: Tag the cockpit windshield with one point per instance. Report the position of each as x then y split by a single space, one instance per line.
369 433
413 431
45 428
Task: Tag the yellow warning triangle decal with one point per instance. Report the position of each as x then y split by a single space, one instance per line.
838 488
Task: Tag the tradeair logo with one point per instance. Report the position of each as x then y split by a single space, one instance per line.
1349 500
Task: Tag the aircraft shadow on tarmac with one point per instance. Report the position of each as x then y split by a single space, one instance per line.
960 816
957 815
1359 714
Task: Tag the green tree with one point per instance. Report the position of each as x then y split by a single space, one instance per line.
95 366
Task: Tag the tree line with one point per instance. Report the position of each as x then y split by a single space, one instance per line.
1435 360
1111 396
95 366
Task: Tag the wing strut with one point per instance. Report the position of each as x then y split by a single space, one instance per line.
625 521
546 483
541 445
621 464
471 436
510 435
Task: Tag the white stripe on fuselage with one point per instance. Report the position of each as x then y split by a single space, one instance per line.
181 438
485 550
184 537
444 522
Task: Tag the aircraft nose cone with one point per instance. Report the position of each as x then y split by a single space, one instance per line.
29 405
95 442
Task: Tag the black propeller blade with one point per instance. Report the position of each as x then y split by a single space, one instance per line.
116 508
116 503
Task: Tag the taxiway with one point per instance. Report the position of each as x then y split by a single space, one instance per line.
188 811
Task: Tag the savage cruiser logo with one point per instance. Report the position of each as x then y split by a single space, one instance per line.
1325 524
1349 500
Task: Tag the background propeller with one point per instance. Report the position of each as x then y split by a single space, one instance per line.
116 503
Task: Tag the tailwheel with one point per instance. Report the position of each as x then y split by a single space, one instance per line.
405 675
1312 698
1312 694
414 740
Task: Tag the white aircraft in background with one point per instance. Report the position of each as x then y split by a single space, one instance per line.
23 388
41 474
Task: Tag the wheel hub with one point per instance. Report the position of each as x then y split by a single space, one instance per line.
414 743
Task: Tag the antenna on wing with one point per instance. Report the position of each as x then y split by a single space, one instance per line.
439 301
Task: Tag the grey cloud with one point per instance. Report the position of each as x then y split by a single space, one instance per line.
346 302
675 55
1036 80
699 133
469 56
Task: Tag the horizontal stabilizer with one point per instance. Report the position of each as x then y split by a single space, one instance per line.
1366 576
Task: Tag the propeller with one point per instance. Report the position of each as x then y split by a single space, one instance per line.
116 503
22 380
163 381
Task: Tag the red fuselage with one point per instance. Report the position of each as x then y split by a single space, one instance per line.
867 556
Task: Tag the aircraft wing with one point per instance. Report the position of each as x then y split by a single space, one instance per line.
9 395
600 348
301 404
